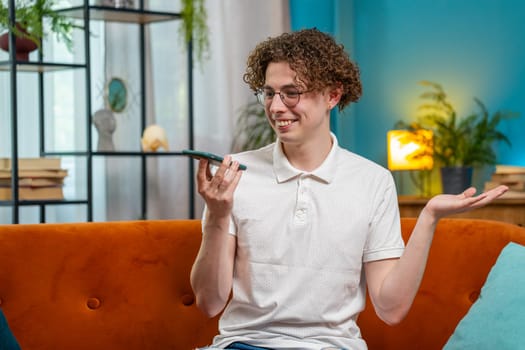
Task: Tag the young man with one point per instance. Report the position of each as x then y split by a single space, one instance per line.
293 245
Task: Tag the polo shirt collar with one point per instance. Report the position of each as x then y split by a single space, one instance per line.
284 171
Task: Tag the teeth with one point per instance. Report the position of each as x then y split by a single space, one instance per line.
281 123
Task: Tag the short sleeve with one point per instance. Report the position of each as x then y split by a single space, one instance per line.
384 237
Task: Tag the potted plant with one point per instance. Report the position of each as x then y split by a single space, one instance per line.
29 24
194 28
459 144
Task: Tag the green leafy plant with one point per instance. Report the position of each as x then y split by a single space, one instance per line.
29 16
467 141
195 29
252 130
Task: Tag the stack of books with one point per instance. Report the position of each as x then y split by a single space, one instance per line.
38 179
511 176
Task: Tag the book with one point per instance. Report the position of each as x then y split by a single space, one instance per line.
513 195
34 193
508 178
60 173
33 182
514 186
509 169
31 163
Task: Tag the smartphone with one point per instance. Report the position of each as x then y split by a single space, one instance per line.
213 158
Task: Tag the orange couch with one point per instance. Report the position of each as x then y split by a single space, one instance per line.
125 285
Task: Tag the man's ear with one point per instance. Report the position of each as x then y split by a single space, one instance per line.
334 95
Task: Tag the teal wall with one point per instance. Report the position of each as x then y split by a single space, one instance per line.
330 16
474 48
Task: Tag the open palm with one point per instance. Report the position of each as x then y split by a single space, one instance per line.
448 204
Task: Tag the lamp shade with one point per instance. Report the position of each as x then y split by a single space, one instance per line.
410 149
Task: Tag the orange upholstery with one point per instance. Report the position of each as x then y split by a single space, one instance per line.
461 256
125 285
117 285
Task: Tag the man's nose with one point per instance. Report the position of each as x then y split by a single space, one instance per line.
277 104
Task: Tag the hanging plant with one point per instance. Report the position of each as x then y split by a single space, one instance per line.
194 28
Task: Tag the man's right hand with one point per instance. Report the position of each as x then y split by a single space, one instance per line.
217 189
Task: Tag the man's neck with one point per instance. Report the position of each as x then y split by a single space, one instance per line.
308 156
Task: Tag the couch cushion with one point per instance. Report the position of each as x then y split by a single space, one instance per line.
7 340
122 285
496 319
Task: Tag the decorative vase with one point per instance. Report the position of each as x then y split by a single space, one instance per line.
23 46
455 180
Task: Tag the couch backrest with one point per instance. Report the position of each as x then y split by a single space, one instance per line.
125 285
117 285
461 256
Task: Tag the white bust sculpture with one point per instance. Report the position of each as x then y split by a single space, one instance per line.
105 122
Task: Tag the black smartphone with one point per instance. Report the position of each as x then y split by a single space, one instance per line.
213 158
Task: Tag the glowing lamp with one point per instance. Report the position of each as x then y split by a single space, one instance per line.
410 149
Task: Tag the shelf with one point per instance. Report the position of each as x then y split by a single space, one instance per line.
65 153
111 14
502 209
115 154
37 67
145 154
418 200
44 202
85 151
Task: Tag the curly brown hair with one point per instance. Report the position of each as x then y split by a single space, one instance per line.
316 58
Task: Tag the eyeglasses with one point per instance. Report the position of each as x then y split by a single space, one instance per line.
290 96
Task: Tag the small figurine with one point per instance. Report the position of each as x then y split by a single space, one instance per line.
154 137
106 124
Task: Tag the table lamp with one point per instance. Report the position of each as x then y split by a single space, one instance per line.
412 150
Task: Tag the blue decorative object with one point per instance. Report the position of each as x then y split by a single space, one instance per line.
117 94
497 318
7 339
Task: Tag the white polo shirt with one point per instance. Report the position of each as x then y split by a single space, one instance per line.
302 238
